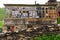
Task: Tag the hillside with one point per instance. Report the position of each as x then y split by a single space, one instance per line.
1 13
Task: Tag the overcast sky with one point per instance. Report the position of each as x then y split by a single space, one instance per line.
21 2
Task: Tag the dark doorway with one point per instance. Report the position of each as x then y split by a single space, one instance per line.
59 14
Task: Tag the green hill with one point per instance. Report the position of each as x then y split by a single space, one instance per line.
1 13
1 17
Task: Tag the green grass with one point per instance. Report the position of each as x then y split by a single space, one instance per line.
1 17
47 37
1 24
58 21
1 13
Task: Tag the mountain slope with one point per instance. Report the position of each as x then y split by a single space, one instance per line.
1 13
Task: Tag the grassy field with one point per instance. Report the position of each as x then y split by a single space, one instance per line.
1 24
1 13
47 37
1 17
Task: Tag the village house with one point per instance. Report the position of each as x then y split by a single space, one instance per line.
18 16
